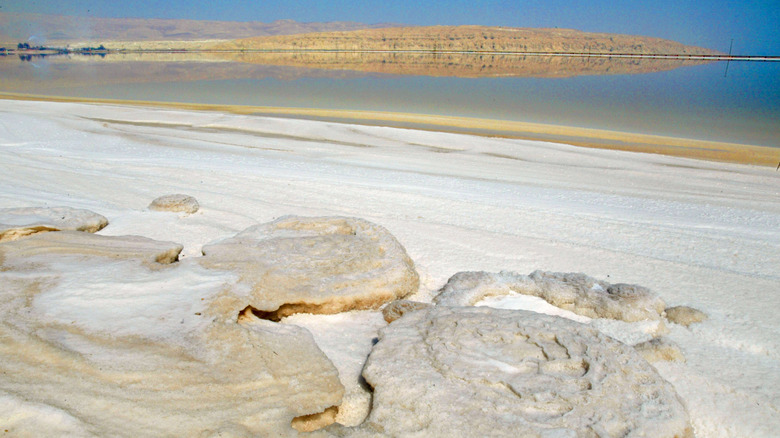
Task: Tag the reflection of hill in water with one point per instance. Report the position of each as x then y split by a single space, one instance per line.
54 72
59 72
462 65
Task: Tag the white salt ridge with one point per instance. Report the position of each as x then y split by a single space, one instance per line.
575 292
627 332
530 303
579 293
701 234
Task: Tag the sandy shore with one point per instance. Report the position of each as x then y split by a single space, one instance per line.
583 137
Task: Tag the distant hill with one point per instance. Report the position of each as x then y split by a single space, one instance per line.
467 38
41 29
135 33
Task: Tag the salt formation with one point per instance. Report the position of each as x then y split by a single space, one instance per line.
175 203
16 223
660 349
399 308
575 292
478 371
105 336
315 265
685 315
93 245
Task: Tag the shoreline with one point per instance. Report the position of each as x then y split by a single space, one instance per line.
51 51
576 136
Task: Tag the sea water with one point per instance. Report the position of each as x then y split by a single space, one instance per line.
737 102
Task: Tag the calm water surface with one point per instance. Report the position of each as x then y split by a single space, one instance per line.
691 101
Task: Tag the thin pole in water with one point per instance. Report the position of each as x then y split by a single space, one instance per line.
729 60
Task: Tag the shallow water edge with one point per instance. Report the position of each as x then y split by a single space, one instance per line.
576 136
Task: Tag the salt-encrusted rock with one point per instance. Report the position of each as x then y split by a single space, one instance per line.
92 245
575 292
176 203
685 315
478 371
660 349
16 223
147 349
399 308
315 265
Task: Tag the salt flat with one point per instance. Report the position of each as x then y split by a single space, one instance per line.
697 233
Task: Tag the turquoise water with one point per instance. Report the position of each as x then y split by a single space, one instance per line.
694 102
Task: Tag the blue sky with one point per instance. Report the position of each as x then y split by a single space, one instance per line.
752 24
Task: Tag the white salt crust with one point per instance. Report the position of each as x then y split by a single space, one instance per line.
525 374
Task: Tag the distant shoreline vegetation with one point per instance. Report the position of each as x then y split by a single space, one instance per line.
26 52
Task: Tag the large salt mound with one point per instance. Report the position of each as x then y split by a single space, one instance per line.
101 338
315 265
574 292
16 223
489 372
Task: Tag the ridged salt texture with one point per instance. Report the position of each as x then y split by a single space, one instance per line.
315 265
16 223
575 292
477 371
